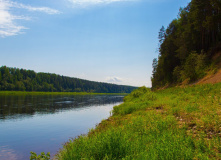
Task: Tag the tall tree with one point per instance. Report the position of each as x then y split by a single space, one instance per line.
197 30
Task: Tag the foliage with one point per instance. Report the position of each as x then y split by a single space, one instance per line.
42 156
194 67
176 123
14 79
197 29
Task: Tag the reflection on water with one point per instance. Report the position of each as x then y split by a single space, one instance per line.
15 107
7 153
44 123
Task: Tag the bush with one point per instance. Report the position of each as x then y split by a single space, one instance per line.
193 68
136 93
42 156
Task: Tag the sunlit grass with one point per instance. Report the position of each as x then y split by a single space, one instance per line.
176 123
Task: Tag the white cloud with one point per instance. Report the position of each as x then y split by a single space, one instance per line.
131 81
86 3
39 9
93 2
8 25
114 79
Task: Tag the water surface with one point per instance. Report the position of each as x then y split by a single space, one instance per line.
44 123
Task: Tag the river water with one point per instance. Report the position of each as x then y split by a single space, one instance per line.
45 123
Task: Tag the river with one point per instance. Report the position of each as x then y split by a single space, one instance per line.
44 123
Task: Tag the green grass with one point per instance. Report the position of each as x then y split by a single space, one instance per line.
55 93
175 123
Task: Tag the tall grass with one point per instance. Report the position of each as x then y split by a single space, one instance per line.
176 123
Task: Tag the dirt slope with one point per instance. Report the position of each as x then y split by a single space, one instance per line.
215 78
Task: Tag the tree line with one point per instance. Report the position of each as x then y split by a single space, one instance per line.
15 79
188 44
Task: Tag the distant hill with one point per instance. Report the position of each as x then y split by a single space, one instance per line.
188 45
15 79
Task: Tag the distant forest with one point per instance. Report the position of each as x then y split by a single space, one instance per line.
15 79
188 45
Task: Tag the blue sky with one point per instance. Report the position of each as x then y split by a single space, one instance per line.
110 41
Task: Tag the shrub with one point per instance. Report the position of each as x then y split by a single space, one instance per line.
193 68
42 156
136 93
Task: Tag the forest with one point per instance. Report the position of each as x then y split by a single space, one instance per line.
15 79
189 46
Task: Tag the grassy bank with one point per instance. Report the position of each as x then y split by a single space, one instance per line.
176 123
55 93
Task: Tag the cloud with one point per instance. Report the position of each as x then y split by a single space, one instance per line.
86 3
39 9
8 25
93 2
114 79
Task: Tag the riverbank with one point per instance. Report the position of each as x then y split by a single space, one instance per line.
55 93
175 123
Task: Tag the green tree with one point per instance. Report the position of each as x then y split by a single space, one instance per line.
21 79
197 27
161 35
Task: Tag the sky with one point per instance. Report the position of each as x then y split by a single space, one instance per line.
112 41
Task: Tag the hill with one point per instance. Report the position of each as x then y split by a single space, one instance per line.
188 45
174 123
215 76
15 79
